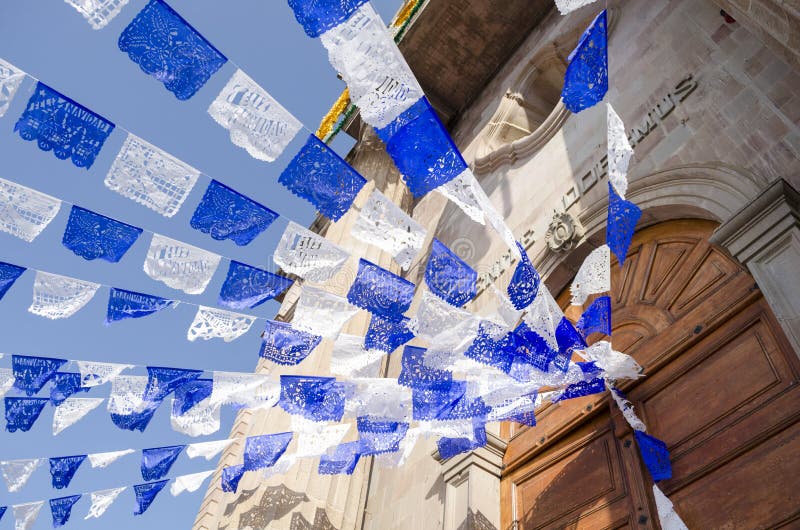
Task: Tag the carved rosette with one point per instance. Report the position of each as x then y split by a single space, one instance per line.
564 232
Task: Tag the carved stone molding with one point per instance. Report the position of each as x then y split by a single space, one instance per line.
765 237
564 232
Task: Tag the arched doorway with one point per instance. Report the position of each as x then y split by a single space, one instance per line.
721 390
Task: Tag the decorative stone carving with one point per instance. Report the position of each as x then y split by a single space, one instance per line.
564 232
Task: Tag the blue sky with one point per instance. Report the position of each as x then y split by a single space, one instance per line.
52 42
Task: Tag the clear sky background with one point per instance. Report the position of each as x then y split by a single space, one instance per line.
51 41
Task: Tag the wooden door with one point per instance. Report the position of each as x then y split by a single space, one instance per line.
721 389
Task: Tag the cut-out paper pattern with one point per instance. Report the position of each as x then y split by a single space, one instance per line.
313 438
126 403
94 236
380 292
65 384
98 13
63 468
615 365
314 398
231 476
544 316
586 80
318 16
450 447
224 213
364 53
256 122
318 175
628 412
101 460
379 397
25 515
568 6
190 394
445 327
622 218
593 277
17 472
213 323
190 483
596 318
244 390
581 389
179 265
146 494
387 335
438 400
73 410
8 275
58 297
96 373
467 194
568 340
24 212
449 277
378 437
264 450
321 313
156 462
102 500
61 125
246 287
145 174
32 373
415 373
655 455
488 347
282 344
342 460
124 304
207 450
351 359
423 151
667 516
308 255
167 48
383 224
524 283
619 152
22 413
10 79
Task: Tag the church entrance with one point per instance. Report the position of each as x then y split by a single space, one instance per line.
721 390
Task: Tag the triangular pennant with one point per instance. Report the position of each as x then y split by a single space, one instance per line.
22 413
524 283
157 461
25 514
17 472
586 80
146 494
596 318
163 381
264 450
246 287
59 124
667 516
189 483
61 509
224 213
593 277
101 460
94 236
207 450
231 476
32 373
65 384
8 275
57 297
655 455
619 152
102 500
124 304
387 335
184 62
282 344
63 468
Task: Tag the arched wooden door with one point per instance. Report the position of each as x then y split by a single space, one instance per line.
721 390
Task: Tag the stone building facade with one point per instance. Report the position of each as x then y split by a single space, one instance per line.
708 299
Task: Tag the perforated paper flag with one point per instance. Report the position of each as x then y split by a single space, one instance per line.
8 275
73 410
321 313
317 16
449 277
102 500
314 398
264 450
98 13
308 255
568 6
94 236
167 48
619 152
622 218
144 173
156 462
246 287
213 323
10 79
25 514
59 124
380 292
180 266
593 277
586 80
57 297
257 123
124 304
146 494
63 468
32 373
282 344
224 213
24 212
387 335
320 176
17 472
22 413
524 283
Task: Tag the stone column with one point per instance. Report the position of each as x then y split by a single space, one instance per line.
765 236
301 498
472 487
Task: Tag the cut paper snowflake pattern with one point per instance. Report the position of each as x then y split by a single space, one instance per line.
364 53
59 124
22 413
224 213
63 469
73 410
157 461
321 313
127 396
97 373
255 120
416 374
57 297
146 494
619 152
180 266
449 277
10 79
622 218
320 176
190 483
342 460
167 48
212 323
586 79
351 359
94 236
17 472
593 277
24 212
32 373
596 318
314 398
264 450
246 287
102 500
383 224
98 13
145 174
568 6
308 255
